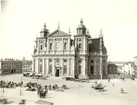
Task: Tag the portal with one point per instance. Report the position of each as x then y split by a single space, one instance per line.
57 73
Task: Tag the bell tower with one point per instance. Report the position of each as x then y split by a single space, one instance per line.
44 32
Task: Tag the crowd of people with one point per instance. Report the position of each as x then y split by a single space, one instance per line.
43 90
9 84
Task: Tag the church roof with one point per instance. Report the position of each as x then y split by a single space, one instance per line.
58 33
81 25
111 64
94 47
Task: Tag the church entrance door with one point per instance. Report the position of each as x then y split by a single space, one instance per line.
57 72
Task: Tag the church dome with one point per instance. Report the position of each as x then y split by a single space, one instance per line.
44 29
81 25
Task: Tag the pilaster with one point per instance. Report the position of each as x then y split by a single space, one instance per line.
62 66
73 66
47 65
53 67
43 66
68 66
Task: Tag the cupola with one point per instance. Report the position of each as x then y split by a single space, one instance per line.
81 29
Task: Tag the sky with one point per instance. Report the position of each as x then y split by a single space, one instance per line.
22 20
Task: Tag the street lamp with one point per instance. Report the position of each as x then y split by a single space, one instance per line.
21 87
3 89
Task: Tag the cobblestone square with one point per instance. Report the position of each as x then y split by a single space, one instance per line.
77 94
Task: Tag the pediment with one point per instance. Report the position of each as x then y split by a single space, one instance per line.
58 33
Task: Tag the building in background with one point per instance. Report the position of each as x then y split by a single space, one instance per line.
119 65
129 68
112 68
26 65
135 60
58 55
10 66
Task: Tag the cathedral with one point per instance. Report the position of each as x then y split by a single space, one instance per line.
57 54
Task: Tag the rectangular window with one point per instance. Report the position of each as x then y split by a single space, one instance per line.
50 46
41 47
65 46
91 69
65 60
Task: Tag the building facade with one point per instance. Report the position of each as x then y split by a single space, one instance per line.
129 68
57 54
10 66
26 65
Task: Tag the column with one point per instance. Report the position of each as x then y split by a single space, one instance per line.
33 65
68 45
84 45
43 66
62 67
47 66
62 49
72 66
68 66
95 66
100 72
83 67
53 46
86 72
53 67
38 65
47 46
106 70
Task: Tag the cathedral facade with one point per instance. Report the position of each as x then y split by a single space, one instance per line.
57 54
